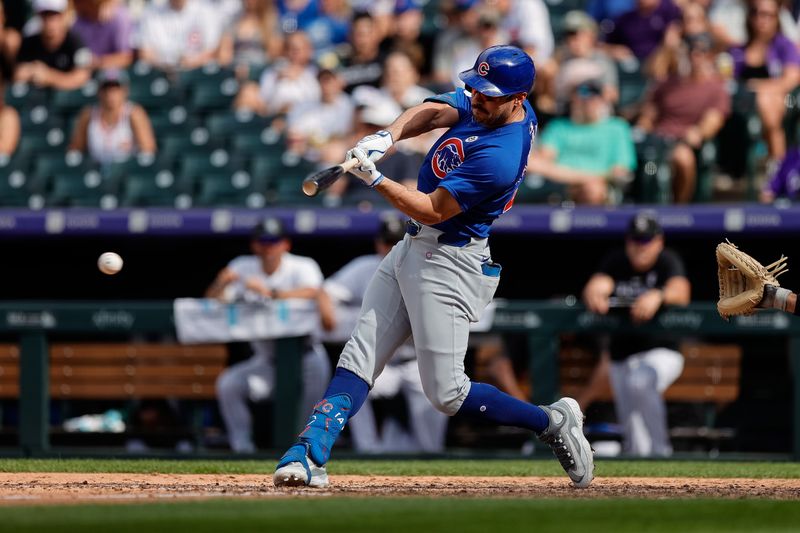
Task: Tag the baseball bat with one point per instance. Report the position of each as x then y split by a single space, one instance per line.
323 179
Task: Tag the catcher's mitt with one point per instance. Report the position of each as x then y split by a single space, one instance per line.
742 280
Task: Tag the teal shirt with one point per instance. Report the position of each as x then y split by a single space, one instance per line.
595 148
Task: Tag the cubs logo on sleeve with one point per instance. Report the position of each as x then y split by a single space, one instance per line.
448 156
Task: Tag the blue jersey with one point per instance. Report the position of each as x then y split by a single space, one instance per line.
480 167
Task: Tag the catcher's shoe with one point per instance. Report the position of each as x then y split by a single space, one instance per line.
297 469
565 437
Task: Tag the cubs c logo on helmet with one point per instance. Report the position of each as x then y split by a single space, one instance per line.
448 156
483 68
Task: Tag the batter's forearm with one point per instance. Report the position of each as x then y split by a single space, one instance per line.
412 202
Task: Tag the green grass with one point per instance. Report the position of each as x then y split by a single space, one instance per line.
354 515
488 467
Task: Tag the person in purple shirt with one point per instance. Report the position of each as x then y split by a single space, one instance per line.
105 28
785 182
768 65
638 32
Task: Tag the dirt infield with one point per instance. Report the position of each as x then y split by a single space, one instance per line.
84 488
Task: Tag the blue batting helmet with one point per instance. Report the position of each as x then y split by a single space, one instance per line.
500 71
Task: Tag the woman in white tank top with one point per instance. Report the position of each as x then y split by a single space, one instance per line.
115 129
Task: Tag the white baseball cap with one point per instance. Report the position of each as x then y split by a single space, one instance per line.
58 6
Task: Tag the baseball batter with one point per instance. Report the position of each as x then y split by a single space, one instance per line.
441 276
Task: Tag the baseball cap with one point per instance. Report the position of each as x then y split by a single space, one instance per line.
392 230
577 20
55 6
269 230
643 227
401 6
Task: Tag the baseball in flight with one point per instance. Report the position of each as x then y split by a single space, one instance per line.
109 263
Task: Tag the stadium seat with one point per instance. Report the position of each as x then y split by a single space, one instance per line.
213 95
14 181
197 141
47 166
653 180
288 178
173 121
196 165
38 119
267 141
188 79
224 124
76 188
229 189
161 188
34 143
25 96
70 102
632 86
155 93
535 189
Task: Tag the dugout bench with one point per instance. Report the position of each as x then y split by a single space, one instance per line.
34 323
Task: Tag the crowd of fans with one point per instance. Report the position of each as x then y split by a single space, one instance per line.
685 97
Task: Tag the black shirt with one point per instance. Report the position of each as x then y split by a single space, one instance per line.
70 55
629 285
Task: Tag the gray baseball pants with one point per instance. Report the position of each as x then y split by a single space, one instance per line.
434 291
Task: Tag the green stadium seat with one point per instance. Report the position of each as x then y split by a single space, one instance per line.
76 188
25 96
229 123
213 95
14 181
197 141
51 141
47 166
155 93
195 165
229 189
173 121
288 178
38 119
256 143
653 181
161 188
188 79
632 85
535 189
70 102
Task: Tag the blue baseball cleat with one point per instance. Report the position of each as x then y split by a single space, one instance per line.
297 469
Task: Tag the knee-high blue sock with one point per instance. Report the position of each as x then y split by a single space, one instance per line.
488 403
345 395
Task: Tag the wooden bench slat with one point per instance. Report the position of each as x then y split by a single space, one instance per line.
130 371
139 390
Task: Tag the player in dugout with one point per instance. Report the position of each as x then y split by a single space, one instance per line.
441 276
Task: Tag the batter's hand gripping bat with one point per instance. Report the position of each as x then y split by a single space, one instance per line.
323 179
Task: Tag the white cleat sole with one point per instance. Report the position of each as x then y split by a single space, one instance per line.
294 475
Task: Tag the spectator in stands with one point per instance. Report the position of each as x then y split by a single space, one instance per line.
637 281
527 22
605 11
579 60
106 29
457 39
687 110
291 81
55 57
467 45
330 27
637 33
315 123
115 129
401 376
296 14
407 36
9 126
729 22
180 34
664 61
362 62
769 66
784 183
271 272
253 39
589 151
10 41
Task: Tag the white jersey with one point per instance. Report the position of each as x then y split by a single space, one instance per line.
173 34
280 93
111 143
294 272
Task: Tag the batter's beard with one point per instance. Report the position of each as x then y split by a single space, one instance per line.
491 121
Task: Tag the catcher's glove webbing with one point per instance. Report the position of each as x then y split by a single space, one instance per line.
742 280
